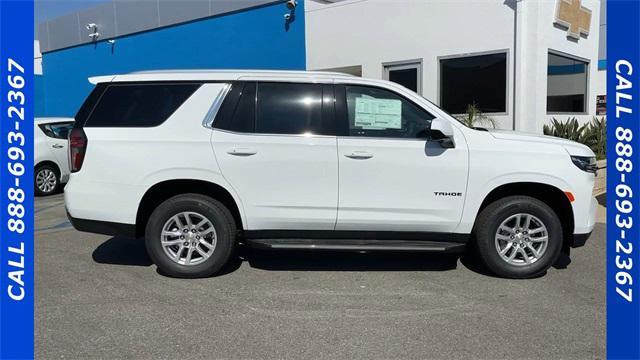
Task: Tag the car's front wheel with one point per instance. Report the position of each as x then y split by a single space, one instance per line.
47 180
518 237
190 236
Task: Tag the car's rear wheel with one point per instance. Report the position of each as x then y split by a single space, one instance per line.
190 236
518 237
47 180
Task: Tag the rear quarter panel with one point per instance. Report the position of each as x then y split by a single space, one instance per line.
121 164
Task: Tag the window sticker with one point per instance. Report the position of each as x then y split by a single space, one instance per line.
376 114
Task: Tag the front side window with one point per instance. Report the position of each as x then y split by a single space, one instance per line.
57 130
375 112
140 105
479 80
566 85
289 108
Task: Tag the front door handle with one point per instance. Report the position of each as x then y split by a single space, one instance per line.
242 152
359 155
57 146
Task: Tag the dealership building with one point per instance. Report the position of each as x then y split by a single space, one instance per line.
522 62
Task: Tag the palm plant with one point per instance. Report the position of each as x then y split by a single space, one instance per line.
592 134
595 136
570 129
474 117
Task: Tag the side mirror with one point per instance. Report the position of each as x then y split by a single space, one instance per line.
442 133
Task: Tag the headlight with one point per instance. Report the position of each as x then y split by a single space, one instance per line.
585 163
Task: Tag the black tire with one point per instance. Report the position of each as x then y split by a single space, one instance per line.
209 208
56 177
492 217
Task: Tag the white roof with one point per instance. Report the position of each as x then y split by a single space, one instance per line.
216 75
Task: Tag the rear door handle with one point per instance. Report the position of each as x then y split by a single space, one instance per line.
242 152
57 146
359 155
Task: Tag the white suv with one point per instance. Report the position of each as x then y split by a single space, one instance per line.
197 161
51 154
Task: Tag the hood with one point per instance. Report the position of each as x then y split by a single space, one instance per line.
572 147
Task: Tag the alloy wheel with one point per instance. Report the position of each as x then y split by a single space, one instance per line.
46 180
521 239
188 238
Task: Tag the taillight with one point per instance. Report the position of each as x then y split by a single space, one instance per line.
77 149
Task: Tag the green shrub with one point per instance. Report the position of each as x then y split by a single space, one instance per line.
475 117
592 134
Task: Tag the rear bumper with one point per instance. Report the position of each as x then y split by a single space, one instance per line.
103 227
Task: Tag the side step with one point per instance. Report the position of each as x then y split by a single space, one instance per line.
356 245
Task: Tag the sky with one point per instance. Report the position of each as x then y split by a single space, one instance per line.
48 9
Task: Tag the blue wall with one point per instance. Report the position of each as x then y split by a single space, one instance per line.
252 39
38 90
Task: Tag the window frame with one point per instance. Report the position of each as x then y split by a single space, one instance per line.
404 65
507 84
587 63
328 120
342 113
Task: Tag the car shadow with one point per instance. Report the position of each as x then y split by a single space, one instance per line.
290 260
122 251
130 252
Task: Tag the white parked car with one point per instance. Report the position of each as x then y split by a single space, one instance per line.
200 160
51 154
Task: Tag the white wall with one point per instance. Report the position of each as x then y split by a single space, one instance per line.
372 32
37 58
536 36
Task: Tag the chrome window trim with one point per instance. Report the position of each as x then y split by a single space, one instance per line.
282 135
215 106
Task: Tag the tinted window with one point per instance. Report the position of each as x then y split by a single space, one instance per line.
57 130
88 105
374 112
244 117
139 105
480 80
289 108
566 85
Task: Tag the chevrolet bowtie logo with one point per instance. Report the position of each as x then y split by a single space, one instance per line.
575 17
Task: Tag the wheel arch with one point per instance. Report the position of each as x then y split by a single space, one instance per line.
164 190
555 198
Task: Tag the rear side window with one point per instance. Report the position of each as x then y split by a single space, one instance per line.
57 130
139 105
284 108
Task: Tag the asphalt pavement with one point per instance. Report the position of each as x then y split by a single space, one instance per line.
99 297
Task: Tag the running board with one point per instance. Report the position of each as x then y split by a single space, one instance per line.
356 245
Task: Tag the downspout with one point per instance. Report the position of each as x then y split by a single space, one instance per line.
515 55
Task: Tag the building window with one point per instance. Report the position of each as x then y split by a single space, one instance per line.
407 74
566 84
479 80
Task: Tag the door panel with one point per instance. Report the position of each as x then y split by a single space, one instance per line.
391 177
278 152
284 182
393 188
